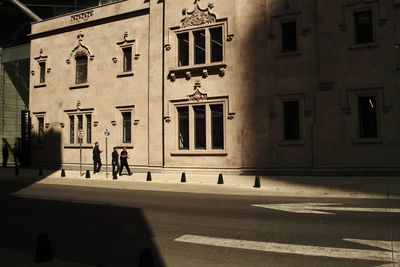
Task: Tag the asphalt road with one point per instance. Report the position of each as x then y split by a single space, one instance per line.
109 227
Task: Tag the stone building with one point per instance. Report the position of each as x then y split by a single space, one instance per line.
235 85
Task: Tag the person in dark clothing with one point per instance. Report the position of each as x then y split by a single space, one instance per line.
124 162
96 158
5 155
16 154
115 161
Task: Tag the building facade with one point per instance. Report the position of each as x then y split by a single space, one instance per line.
232 85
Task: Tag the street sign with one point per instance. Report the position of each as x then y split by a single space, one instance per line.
106 133
81 134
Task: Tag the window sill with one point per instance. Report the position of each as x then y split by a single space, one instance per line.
199 153
289 54
77 146
122 146
291 143
197 70
367 140
125 74
362 46
79 86
40 85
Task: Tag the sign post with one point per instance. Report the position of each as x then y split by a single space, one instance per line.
107 133
81 134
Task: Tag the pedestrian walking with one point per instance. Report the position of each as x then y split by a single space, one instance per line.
16 154
124 162
96 158
115 161
5 155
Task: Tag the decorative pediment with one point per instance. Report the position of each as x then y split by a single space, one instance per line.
197 95
198 16
126 41
80 50
42 56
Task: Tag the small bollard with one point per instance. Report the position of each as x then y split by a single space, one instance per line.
146 258
62 173
257 183
44 252
40 172
115 176
183 178
87 174
220 179
148 179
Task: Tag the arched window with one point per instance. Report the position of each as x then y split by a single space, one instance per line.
81 69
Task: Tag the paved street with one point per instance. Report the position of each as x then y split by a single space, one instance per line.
90 226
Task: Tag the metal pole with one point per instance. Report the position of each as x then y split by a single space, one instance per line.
80 157
106 157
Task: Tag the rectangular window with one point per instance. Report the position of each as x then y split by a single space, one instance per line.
80 126
217 126
40 130
71 129
126 124
368 122
183 127
127 51
216 44
42 66
81 69
183 49
363 27
199 47
88 128
200 127
289 36
291 120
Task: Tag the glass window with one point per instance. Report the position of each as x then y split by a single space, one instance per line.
71 129
40 130
126 124
217 126
183 49
42 66
88 128
291 120
216 44
81 69
363 27
80 126
183 127
367 117
200 127
199 47
289 36
127 51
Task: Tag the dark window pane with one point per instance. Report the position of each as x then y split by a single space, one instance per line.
289 36
127 59
216 44
80 125
88 128
127 122
363 27
41 130
291 120
367 117
217 125
183 127
81 69
199 47
200 127
71 129
183 49
42 66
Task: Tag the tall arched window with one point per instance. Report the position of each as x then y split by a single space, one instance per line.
81 69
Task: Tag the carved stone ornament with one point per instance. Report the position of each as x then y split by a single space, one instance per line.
80 50
113 123
47 125
95 123
135 122
197 95
198 16
62 125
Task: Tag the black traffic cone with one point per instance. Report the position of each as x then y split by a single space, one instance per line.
87 174
115 177
44 252
148 179
62 173
220 179
146 258
257 183
183 178
40 172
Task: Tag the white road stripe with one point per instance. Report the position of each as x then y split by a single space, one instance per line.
341 253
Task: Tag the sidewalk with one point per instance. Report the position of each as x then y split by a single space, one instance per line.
284 186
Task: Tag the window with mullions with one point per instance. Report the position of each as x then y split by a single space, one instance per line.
199 47
88 128
71 129
291 120
183 128
216 44
363 27
183 49
81 69
40 130
289 36
127 128
42 72
368 122
127 55
199 127
217 126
